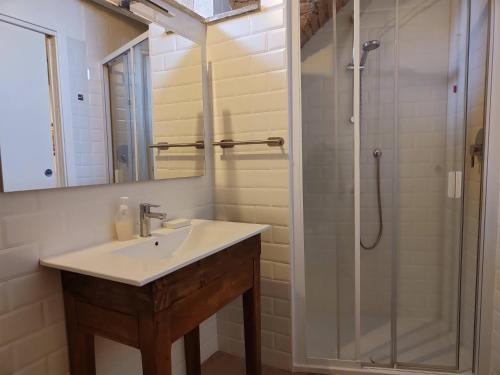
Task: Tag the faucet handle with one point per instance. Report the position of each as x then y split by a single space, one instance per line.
148 206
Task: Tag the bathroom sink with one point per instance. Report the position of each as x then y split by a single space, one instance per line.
142 260
158 246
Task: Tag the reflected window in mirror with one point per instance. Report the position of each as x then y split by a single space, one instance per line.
219 9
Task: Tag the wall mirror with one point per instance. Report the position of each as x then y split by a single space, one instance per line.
93 96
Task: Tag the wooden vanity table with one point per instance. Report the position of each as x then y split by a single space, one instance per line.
153 316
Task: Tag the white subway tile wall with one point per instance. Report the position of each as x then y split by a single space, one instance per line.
40 224
32 332
177 101
249 84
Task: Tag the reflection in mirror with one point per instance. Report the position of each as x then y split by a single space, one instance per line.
213 10
90 96
177 105
145 119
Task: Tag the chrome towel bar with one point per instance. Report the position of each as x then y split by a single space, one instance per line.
271 142
165 145
225 143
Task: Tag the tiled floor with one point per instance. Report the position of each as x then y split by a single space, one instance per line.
225 364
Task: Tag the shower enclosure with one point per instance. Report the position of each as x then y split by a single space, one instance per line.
392 112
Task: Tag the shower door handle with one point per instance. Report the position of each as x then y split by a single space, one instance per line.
477 148
476 151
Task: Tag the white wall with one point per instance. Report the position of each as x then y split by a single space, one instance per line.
249 83
39 224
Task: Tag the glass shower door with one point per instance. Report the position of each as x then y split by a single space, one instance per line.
377 135
422 86
432 112
122 132
130 89
328 196
391 143
142 111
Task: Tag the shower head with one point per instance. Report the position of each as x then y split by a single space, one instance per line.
371 45
368 46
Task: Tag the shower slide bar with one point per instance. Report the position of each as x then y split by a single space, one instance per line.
225 143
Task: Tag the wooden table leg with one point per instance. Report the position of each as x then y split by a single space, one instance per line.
155 344
251 315
192 352
80 344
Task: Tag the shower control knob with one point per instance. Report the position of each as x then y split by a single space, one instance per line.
377 153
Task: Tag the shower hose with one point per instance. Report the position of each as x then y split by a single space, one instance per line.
377 154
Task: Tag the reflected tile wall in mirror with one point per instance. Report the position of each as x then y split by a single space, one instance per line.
177 104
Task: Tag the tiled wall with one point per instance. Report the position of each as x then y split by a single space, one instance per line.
249 88
85 58
40 224
177 99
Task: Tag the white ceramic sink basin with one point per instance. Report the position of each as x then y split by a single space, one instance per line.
159 246
142 260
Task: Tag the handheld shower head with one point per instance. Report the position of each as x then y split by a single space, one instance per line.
371 45
368 46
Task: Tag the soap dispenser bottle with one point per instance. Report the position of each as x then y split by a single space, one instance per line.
124 222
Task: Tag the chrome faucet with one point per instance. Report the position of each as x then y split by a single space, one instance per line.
145 216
